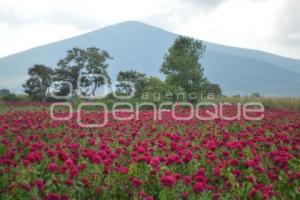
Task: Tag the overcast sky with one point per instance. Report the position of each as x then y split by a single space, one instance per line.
269 25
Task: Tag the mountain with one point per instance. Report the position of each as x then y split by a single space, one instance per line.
135 45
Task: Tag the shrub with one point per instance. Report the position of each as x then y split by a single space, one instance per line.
10 97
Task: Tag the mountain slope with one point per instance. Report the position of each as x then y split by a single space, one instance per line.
138 46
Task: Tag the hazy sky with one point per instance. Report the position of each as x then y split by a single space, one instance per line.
270 25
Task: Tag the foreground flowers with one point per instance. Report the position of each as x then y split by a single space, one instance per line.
147 159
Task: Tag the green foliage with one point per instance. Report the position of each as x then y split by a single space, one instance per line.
183 70
10 97
69 69
136 78
255 94
96 65
90 62
4 91
213 88
89 65
155 85
181 64
156 89
37 86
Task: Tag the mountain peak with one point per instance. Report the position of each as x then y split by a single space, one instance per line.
140 46
134 27
132 23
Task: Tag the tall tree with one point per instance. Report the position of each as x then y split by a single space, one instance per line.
89 62
136 78
37 86
96 65
69 70
181 65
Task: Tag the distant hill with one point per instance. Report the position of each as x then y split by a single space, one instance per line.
139 46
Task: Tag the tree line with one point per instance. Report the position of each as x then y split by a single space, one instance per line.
181 67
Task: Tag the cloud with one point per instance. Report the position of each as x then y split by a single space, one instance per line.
271 25
288 23
286 33
59 16
207 3
8 15
71 18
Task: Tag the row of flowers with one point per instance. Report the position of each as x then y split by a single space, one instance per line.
149 159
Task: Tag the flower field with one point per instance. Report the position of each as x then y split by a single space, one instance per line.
149 159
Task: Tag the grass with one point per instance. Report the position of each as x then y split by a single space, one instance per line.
290 103
5 108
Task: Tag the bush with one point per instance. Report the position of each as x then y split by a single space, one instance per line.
10 97
4 92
